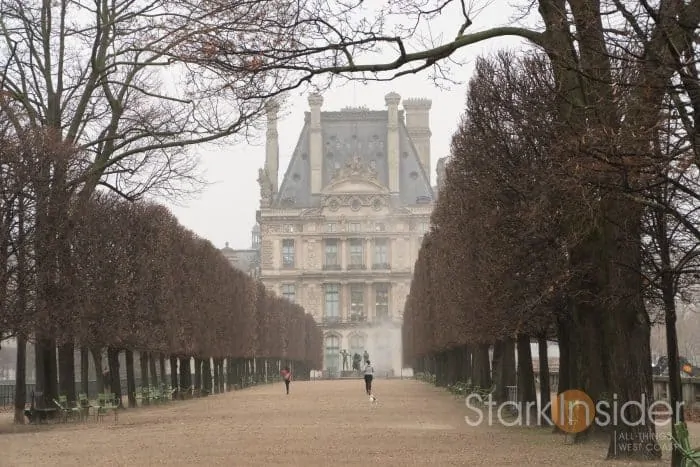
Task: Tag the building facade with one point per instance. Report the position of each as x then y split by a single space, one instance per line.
341 233
246 260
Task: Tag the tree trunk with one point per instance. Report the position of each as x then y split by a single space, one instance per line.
504 369
99 373
482 366
230 368
206 375
115 383
130 378
185 374
152 370
161 361
143 364
500 392
668 291
216 376
545 390
46 368
21 380
453 364
526 377
84 370
173 375
22 296
197 374
222 385
616 360
467 371
66 359
563 338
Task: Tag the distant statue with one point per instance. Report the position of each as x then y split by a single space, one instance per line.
365 356
265 188
356 359
345 354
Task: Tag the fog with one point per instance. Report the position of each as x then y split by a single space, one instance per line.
384 348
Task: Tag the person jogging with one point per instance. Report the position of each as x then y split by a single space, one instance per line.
286 376
369 374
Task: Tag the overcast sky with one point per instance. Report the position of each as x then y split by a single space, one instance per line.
225 210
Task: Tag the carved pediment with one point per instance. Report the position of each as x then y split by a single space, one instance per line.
355 176
354 185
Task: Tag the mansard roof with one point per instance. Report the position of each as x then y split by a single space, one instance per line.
346 134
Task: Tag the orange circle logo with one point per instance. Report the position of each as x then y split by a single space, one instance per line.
573 411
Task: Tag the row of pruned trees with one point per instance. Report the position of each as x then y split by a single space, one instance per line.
126 276
530 241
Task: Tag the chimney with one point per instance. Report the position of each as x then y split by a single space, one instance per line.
272 148
316 143
392 102
418 126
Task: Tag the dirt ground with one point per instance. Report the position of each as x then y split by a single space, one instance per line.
320 423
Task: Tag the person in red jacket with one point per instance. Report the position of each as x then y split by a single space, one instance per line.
286 376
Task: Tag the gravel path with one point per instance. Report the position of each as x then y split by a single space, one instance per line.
321 423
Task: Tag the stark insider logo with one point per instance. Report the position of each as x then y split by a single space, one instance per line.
573 411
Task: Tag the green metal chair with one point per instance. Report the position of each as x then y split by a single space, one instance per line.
691 457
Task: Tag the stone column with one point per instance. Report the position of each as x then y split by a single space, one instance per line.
316 143
392 102
277 254
343 246
368 253
393 254
344 300
272 146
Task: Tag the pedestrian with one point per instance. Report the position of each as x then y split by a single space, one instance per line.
369 374
286 376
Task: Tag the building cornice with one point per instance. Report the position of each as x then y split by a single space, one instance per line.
336 276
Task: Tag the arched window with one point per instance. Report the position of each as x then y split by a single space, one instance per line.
332 353
357 344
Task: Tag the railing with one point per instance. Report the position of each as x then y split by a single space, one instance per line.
358 317
354 267
7 390
690 388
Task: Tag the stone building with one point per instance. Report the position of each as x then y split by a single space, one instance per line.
340 234
246 260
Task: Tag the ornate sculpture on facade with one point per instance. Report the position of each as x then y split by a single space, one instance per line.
355 167
265 188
